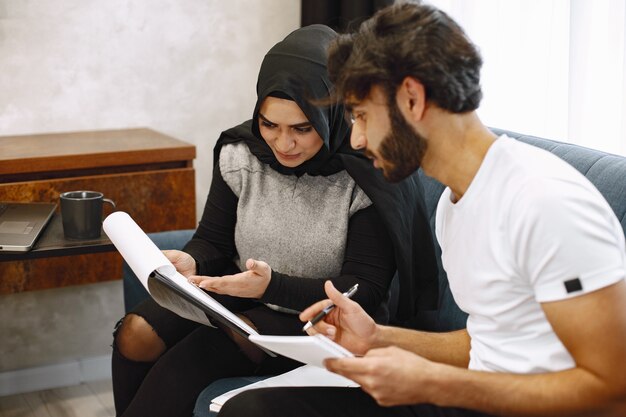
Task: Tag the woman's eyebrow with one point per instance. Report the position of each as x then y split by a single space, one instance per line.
303 124
265 119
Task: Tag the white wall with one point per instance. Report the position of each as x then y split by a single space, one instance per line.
186 68
552 68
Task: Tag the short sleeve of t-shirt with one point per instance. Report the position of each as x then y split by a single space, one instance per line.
568 242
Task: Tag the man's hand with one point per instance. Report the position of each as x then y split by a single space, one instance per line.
347 324
249 284
392 376
182 261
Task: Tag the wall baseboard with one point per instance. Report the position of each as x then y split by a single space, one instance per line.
53 376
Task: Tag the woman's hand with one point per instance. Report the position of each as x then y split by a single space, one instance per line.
347 324
182 261
249 284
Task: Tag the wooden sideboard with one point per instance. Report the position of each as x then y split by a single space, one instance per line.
149 175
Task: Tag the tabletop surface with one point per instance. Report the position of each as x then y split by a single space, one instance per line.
79 150
52 242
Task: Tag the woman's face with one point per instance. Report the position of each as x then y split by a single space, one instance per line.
288 132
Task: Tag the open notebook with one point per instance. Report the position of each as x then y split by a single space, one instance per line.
171 290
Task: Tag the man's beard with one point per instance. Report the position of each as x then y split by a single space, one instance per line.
402 150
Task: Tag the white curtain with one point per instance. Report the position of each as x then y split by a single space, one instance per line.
552 68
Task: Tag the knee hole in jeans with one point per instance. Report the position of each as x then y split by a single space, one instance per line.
136 340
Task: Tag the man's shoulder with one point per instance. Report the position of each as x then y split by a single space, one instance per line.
536 171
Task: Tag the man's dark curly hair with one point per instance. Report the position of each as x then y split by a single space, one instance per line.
408 39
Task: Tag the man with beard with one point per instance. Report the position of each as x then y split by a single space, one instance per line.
533 252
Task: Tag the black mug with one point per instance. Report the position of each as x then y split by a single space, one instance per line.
81 212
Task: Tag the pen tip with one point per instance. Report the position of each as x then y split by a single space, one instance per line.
307 326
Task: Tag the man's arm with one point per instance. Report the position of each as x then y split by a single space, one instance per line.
350 326
593 329
451 348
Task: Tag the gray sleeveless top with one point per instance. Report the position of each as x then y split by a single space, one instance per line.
298 225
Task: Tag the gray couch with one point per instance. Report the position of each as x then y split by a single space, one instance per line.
607 172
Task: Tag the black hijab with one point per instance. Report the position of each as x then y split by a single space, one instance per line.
296 68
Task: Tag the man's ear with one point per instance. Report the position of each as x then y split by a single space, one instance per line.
411 99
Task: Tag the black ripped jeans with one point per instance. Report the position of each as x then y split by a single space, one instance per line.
195 356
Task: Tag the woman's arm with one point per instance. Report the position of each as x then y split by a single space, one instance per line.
368 260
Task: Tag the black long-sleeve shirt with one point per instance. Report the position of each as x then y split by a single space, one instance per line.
368 258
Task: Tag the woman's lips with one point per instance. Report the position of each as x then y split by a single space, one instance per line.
285 156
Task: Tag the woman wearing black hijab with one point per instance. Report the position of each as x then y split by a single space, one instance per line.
290 205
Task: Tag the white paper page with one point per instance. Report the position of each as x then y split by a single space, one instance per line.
304 376
139 252
143 257
311 350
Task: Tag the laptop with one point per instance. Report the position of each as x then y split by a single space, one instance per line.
22 223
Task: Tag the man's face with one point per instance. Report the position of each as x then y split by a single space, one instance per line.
389 140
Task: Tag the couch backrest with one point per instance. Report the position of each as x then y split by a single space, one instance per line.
607 172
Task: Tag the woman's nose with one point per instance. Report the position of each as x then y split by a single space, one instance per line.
284 142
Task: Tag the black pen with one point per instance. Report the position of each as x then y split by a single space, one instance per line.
327 310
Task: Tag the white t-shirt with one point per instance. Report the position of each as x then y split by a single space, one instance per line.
529 229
